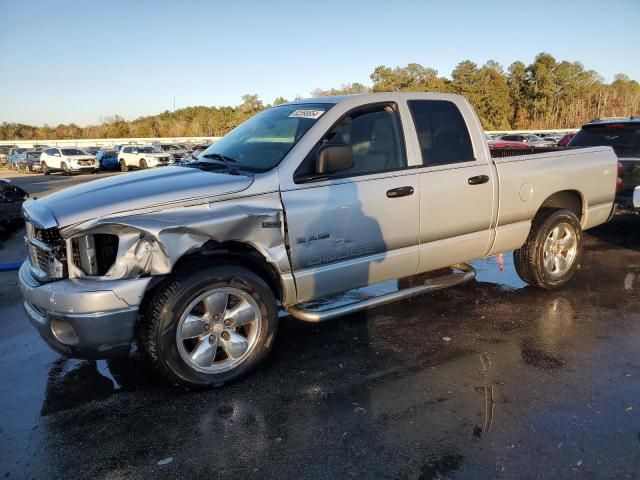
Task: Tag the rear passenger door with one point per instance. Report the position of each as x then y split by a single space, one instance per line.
359 226
456 185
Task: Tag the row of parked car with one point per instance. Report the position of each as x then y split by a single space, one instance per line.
529 140
68 160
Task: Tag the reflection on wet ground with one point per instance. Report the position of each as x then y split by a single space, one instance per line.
491 379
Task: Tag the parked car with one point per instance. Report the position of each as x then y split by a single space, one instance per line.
504 143
552 137
624 136
195 151
564 141
108 159
4 155
67 160
142 157
528 138
91 150
29 161
178 152
199 259
14 155
11 199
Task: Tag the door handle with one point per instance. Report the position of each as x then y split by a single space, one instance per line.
400 192
478 180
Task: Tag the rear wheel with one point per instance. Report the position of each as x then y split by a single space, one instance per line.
210 326
123 166
551 254
45 169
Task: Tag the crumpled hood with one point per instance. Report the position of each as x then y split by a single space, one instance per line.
134 191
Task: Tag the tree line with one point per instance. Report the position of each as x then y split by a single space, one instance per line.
547 94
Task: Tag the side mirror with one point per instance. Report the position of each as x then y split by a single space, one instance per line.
333 158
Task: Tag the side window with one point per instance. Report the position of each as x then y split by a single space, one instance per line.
442 133
374 136
126 150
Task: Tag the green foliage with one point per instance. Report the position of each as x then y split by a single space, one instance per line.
545 94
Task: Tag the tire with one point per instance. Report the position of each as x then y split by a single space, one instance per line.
143 164
551 254
45 169
65 169
123 166
168 322
27 169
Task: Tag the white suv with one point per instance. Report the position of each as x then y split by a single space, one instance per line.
68 160
142 157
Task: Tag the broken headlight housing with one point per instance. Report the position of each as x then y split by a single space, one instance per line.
116 253
95 254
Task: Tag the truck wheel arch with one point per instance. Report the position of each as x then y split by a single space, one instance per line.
569 199
237 253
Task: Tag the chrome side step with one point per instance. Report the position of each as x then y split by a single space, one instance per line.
466 273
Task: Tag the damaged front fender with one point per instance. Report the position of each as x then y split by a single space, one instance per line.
153 242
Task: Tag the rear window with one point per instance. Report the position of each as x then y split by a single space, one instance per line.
623 138
442 132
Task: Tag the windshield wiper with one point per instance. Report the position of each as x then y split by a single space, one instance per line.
226 160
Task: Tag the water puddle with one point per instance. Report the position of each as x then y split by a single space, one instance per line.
498 271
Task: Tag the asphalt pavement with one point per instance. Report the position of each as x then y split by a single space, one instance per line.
491 379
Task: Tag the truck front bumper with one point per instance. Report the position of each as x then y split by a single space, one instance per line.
83 318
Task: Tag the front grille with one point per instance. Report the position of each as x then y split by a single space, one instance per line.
85 162
47 253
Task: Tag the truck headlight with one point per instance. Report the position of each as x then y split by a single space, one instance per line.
95 254
125 253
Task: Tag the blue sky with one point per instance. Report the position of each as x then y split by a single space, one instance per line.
79 61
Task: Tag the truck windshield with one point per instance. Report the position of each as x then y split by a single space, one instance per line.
624 138
260 143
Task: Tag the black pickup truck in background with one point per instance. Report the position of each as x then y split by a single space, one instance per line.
623 134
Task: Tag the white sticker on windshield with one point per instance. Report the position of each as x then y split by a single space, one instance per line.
313 114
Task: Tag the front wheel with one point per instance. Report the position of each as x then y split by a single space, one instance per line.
123 166
210 326
551 254
65 169
143 164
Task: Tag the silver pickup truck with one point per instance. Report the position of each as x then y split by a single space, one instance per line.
300 202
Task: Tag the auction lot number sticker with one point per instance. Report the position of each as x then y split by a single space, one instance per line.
306 113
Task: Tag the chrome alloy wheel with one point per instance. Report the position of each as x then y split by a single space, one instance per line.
219 330
560 250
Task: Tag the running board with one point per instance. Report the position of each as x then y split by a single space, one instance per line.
466 273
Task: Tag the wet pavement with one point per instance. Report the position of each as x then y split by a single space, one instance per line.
491 379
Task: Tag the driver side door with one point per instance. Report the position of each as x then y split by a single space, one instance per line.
361 226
